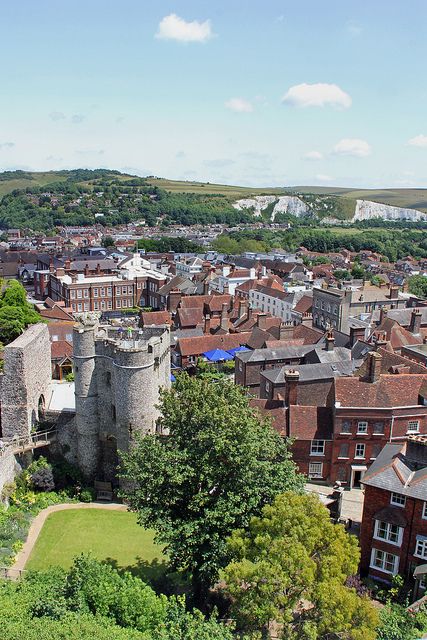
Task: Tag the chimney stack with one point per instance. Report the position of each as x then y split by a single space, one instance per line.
86 269
226 288
291 388
356 333
393 292
374 366
383 314
205 288
262 321
207 327
286 331
224 317
330 340
381 340
415 324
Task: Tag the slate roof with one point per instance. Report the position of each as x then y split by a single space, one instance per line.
394 471
403 316
393 390
310 372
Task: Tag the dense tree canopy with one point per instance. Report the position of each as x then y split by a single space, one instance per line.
15 312
220 464
94 602
418 286
291 568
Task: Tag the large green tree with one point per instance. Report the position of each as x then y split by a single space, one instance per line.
15 312
219 465
290 567
418 286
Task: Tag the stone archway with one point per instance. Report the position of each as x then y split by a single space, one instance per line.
41 408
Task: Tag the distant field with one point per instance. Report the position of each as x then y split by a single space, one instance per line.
40 179
105 534
408 198
207 187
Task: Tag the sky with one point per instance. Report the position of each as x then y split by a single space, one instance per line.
248 92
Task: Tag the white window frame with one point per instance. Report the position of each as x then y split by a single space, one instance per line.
386 527
385 557
72 294
317 449
412 424
358 445
95 292
421 543
362 427
424 516
311 470
398 502
96 306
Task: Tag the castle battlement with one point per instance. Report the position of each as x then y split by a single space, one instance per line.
118 376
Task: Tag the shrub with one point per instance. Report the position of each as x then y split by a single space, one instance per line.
87 495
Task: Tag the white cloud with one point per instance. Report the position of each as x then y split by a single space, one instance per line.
172 27
57 115
354 29
7 145
239 105
313 155
77 118
352 147
321 177
317 95
418 141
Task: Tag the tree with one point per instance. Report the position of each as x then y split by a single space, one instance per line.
15 312
291 567
107 241
418 286
397 623
220 464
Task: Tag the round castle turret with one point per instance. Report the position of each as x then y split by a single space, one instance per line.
118 375
86 394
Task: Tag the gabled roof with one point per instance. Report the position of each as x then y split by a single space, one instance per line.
60 350
393 470
311 372
189 317
304 304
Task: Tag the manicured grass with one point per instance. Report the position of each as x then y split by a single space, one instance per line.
112 536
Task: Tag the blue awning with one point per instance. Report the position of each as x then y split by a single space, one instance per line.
172 377
217 355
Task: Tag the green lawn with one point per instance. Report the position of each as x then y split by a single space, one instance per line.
108 535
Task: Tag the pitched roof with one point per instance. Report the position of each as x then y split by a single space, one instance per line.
395 470
56 313
274 409
189 317
155 318
61 349
390 359
401 390
397 335
310 423
199 345
304 304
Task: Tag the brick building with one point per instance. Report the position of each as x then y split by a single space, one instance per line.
394 523
133 283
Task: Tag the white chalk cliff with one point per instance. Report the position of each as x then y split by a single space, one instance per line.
366 210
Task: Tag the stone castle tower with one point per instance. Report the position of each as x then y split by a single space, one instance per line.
118 376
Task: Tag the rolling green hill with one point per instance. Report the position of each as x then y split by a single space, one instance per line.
42 201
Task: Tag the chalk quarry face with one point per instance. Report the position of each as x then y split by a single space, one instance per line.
295 206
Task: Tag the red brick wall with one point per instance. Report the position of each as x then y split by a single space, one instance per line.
376 499
302 458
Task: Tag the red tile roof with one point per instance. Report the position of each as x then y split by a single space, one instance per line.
200 344
273 409
393 390
155 318
189 317
61 349
304 304
309 423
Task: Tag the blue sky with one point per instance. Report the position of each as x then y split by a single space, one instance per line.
255 93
